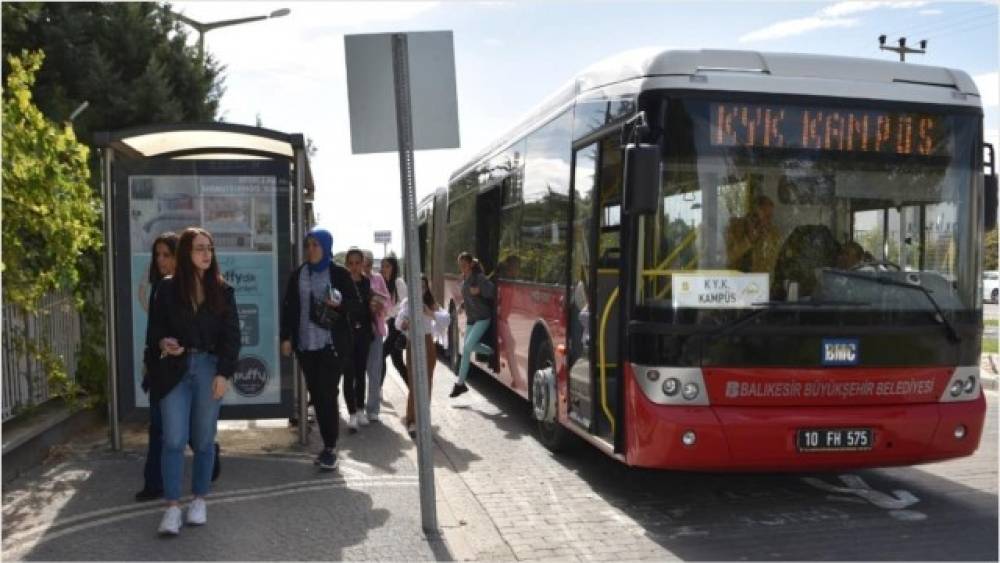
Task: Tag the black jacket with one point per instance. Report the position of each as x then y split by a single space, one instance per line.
340 279
217 333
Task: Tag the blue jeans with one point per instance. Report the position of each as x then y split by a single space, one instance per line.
473 334
190 414
376 363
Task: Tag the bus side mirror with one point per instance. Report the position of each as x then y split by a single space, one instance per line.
990 197
642 179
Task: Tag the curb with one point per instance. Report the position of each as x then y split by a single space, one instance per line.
32 439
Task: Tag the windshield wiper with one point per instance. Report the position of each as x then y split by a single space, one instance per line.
767 306
939 313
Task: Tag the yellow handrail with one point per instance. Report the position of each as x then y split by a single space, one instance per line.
680 247
602 353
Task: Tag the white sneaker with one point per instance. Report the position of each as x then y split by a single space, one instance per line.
197 512
352 423
372 418
171 523
362 418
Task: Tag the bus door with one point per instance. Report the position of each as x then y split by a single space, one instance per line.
594 303
488 205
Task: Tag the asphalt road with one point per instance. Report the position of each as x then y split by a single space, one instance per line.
584 505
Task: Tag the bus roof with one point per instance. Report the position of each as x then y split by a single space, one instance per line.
631 72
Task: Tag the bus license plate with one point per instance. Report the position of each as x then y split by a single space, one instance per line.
835 439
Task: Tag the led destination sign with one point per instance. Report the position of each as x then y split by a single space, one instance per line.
829 129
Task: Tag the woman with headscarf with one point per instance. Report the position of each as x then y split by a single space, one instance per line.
323 351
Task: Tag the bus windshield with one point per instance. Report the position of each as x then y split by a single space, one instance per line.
810 204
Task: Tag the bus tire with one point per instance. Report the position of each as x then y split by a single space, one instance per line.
454 358
550 433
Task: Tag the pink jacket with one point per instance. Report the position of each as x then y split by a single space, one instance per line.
379 289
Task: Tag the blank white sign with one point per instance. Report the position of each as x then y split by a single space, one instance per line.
371 95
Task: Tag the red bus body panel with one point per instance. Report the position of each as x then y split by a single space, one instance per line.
759 434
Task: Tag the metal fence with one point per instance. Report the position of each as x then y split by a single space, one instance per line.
55 323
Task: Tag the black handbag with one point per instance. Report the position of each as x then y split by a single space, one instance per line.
322 313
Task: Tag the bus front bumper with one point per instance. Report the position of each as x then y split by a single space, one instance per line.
734 438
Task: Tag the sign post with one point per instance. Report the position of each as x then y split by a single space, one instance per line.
428 120
385 238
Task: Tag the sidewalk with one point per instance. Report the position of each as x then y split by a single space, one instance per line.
989 370
270 502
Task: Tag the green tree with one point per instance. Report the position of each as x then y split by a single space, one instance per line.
130 60
50 215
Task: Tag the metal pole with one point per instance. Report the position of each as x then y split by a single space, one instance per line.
404 130
300 235
110 350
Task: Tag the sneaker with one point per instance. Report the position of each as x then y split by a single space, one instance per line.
217 466
373 418
327 459
458 389
362 418
148 494
171 523
197 512
352 423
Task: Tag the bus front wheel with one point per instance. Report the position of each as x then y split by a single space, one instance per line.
544 397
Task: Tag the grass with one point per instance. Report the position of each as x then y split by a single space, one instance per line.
990 346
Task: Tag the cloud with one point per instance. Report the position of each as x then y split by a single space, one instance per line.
931 12
834 15
841 9
989 88
789 28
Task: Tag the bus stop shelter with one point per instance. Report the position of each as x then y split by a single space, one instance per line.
252 189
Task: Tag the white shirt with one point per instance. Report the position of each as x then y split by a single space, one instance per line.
435 323
401 292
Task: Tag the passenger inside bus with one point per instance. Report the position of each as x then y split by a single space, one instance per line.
752 242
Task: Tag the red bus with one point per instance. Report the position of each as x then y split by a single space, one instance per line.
722 260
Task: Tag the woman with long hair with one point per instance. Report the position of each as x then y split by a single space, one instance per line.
361 338
478 293
195 327
395 341
436 321
322 351
378 306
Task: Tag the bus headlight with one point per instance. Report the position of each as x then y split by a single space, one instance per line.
956 388
671 386
690 390
970 384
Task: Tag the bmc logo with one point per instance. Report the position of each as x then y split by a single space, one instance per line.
840 352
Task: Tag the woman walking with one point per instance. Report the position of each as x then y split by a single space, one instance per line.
195 327
478 292
395 341
361 338
376 361
161 265
436 321
321 349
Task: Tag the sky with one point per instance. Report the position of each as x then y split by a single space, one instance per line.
290 72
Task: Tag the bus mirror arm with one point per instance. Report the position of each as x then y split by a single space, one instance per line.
642 178
990 195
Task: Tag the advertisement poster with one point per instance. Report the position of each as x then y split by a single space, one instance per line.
239 211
